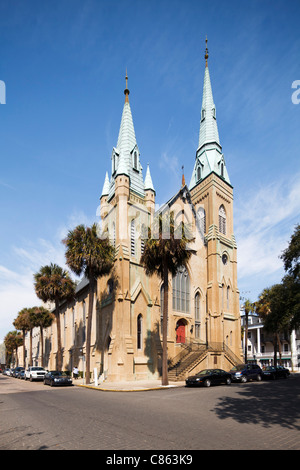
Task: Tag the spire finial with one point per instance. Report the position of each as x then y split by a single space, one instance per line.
126 91
183 178
206 53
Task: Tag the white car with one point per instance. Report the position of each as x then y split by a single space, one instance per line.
35 373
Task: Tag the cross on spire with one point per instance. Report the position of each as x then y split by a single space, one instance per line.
126 91
206 53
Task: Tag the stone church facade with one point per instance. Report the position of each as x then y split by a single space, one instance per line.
204 328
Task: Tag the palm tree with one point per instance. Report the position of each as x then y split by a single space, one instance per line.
42 318
163 255
53 283
23 323
93 257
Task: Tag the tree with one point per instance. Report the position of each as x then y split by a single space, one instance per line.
248 307
93 257
43 318
291 255
53 283
271 308
12 341
291 281
23 323
165 251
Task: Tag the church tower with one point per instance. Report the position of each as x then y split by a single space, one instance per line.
127 203
212 196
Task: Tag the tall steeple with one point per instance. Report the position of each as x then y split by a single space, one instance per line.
126 156
209 157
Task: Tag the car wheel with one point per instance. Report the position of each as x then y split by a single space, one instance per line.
244 379
228 381
51 383
207 383
30 379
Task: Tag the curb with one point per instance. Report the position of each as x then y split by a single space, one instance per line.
166 387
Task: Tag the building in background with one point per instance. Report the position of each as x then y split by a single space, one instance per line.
260 345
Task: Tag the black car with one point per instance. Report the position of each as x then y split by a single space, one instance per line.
56 377
244 372
17 371
208 377
272 372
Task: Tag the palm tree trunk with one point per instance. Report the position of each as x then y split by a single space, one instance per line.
42 346
279 349
30 349
165 380
275 350
59 350
89 329
24 349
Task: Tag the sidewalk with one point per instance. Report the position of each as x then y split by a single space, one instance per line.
134 386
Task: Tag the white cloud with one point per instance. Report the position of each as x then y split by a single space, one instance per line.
265 222
16 283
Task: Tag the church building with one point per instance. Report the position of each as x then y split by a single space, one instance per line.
204 322
204 328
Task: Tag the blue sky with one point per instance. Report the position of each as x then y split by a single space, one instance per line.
63 63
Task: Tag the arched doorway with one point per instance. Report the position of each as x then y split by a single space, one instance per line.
180 331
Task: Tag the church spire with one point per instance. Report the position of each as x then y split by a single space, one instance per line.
208 123
209 157
126 155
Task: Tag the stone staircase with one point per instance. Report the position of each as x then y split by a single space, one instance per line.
192 355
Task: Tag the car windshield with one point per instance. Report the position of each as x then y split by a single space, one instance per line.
238 367
270 368
37 368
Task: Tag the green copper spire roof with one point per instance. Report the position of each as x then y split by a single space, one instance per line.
209 157
126 155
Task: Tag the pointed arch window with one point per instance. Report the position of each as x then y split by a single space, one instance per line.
222 220
114 234
139 331
197 316
132 237
202 220
198 172
181 291
135 160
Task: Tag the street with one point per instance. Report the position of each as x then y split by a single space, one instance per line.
255 415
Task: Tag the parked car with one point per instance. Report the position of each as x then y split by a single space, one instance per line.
35 373
56 377
208 377
21 374
272 372
6 371
244 372
17 371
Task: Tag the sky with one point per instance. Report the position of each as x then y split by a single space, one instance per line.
62 75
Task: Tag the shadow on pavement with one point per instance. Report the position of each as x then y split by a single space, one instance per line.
265 403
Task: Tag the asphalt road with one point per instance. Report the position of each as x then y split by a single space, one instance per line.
255 415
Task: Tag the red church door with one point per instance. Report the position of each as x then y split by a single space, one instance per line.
180 332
